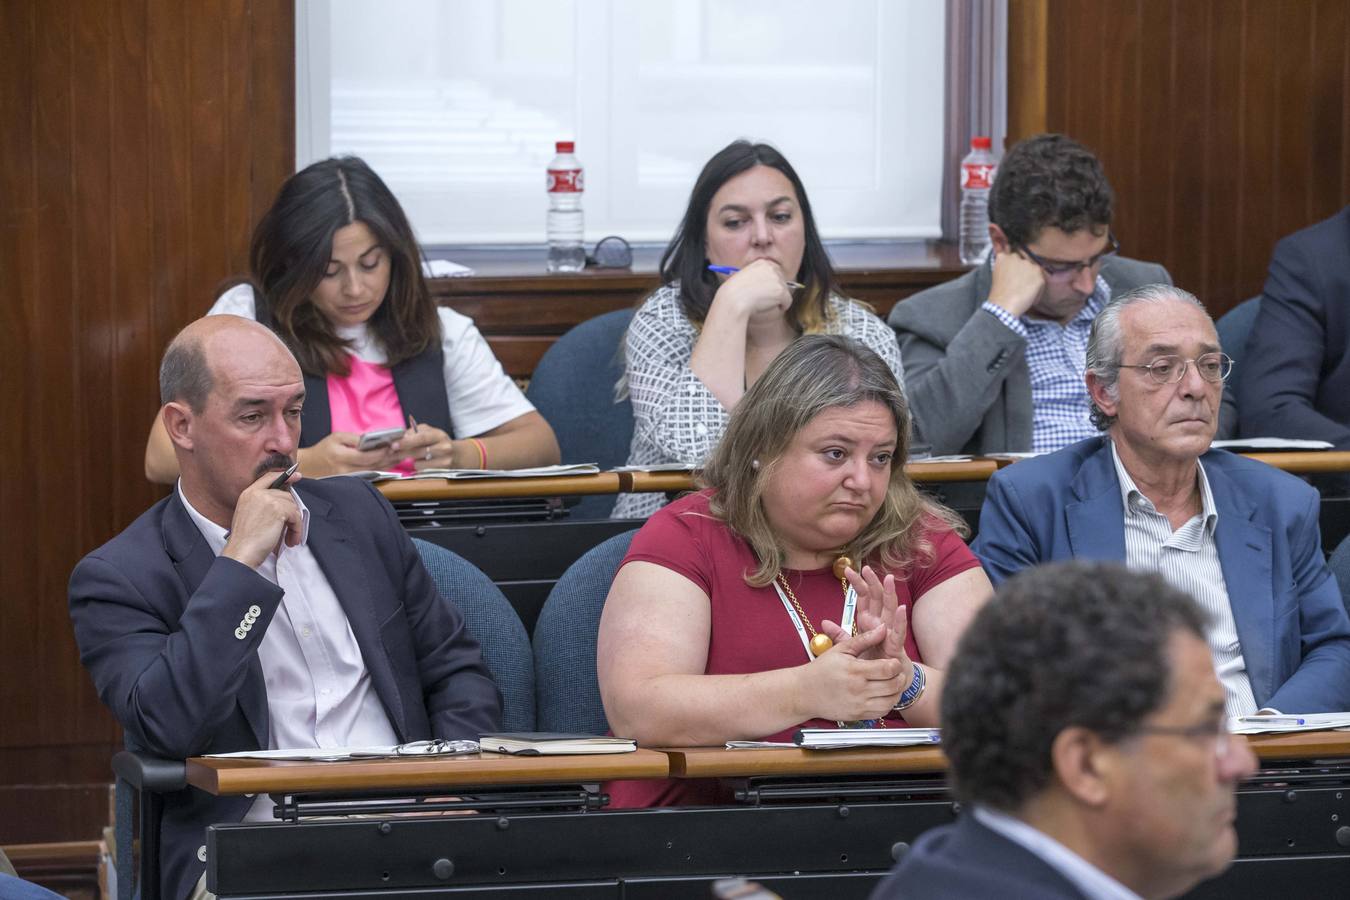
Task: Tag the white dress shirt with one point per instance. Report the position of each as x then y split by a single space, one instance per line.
1188 559
319 693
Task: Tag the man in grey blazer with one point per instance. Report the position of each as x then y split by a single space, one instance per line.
994 360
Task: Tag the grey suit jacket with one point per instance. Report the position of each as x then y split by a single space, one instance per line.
966 373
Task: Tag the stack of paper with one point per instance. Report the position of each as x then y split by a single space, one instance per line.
546 743
837 738
456 474
1261 444
335 754
1277 724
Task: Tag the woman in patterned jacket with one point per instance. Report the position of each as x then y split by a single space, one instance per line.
700 340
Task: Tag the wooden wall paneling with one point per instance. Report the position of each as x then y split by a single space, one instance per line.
1027 24
1189 148
1326 105
1223 144
1119 110
18 302
1258 139
50 516
134 153
1293 43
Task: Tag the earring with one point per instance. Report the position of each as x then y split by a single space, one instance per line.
754 464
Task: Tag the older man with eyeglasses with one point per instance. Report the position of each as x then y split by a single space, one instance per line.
1240 536
994 359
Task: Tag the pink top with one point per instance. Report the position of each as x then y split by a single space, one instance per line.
365 400
751 632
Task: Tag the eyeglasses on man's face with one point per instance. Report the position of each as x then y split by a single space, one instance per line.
1213 367
1067 271
1215 734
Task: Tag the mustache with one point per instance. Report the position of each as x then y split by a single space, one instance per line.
277 461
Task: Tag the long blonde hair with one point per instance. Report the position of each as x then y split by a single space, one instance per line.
815 373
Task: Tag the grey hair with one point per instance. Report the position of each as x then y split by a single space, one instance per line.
185 373
1106 342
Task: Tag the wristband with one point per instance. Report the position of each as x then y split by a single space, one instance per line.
914 691
482 453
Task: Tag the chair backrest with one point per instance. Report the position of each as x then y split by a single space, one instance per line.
567 690
573 388
494 623
1235 325
1339 563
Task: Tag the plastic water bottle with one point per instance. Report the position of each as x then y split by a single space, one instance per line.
566 226
977 176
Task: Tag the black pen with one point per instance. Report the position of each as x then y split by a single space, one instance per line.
284 477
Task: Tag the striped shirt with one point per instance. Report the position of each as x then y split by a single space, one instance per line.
1188 559
1057 363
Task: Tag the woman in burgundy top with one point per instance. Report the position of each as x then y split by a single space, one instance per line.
724 622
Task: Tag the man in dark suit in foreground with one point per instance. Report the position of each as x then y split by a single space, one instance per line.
233 615
1086 733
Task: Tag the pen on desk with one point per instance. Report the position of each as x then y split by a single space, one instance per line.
1275 720
732 270
284 477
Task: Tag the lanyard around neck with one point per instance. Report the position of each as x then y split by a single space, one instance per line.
845 619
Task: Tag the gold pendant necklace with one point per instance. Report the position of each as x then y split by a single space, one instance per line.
819 642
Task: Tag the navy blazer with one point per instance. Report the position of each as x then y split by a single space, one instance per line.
1294 374
969 861
1291 622
156 614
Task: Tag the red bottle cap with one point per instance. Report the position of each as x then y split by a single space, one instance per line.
571 146
976 143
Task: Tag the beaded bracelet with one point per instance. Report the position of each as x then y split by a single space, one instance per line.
914 691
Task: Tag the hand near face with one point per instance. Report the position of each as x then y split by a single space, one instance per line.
757 289
262 516
337 454
1017 282
852 680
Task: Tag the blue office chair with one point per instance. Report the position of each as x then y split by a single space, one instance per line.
493 621
1235 325
1339 563
573 388
564 641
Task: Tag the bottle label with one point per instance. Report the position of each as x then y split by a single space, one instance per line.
565 181
977 176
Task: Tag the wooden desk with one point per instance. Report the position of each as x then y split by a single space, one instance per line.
717 762
973 470
817 823
1306 462
257 776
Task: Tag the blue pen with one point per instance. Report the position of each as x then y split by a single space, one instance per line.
732 270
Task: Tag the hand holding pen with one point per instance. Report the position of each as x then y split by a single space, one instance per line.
732 270
265 515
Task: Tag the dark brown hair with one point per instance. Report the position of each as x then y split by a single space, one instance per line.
293 244
686 257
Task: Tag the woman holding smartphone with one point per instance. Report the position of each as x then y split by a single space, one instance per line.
337 274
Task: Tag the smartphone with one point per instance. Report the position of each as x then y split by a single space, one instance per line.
380 438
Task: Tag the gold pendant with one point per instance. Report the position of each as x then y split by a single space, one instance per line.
840 565
820 643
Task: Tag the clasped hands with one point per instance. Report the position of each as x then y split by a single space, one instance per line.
863 674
